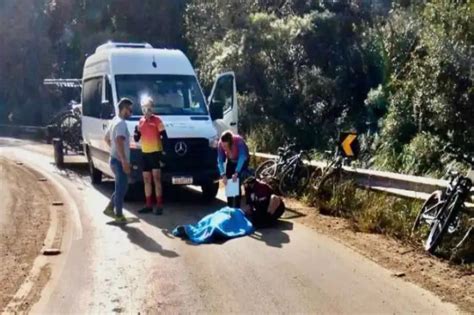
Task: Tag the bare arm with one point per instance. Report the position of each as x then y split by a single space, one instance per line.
107 138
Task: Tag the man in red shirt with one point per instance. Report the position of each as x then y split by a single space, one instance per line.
150 132
263 206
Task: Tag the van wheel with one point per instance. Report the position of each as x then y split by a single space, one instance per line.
96 175
209 191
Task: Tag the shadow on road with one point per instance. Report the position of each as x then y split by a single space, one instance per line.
183 205
274 236
137 237
294 214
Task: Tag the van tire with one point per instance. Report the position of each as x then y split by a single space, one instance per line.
209 191
96 175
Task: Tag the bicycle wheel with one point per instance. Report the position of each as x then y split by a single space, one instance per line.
294 180
316 177
327 186
266 170
428 211
441 223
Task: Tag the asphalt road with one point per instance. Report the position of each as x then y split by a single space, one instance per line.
141 268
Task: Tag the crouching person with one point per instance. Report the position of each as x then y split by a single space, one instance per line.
263 206
232 150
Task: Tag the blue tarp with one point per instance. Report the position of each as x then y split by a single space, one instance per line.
223 224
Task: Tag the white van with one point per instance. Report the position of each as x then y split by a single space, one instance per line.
193 125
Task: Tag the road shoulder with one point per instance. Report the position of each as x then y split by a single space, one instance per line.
451 283
32 224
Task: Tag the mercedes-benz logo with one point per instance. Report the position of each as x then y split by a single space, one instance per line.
180 148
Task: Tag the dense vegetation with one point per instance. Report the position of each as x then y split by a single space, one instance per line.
398 72
52 38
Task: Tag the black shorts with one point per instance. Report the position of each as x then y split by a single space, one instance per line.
261 218
151 161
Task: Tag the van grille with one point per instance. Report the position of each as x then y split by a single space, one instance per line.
188 154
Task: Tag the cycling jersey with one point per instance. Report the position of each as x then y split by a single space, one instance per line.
150 130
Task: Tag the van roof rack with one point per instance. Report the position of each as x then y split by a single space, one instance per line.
110 45
64 83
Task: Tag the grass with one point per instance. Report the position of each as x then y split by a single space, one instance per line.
370 212
376 212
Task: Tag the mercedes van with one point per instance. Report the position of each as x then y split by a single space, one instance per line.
193 125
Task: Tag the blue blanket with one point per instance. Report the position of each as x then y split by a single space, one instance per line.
225 223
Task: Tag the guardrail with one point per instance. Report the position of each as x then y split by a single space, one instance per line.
401 185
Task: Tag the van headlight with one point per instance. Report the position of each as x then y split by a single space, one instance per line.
214 142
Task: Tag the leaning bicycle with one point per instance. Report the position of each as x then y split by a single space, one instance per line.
287 172
442 211
270 169
325 180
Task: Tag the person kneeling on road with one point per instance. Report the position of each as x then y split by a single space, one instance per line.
151 131
263 206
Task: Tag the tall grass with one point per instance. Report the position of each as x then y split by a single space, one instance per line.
370 212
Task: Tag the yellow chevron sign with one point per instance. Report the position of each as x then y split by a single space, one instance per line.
347 144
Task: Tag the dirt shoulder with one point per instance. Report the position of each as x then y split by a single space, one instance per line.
451 283
24 221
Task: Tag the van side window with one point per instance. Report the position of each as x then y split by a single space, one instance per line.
224 92
108 110
91 97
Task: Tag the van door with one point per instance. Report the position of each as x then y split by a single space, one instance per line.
223 103
107 105
107 113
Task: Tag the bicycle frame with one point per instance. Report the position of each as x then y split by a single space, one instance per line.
288 164
455 186
334 165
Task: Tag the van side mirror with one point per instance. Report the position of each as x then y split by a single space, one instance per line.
216 110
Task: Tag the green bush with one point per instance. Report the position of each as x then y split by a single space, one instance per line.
423 155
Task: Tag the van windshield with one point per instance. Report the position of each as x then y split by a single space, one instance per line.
172 94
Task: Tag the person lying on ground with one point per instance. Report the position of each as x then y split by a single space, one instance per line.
263 209
223 224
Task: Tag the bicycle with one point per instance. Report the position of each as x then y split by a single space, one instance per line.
287 171
442 211
325 180
269 169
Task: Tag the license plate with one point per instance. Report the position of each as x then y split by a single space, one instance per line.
181 180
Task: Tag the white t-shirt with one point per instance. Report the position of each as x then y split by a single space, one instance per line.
118 128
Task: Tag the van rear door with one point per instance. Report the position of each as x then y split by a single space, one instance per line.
91 111
223 103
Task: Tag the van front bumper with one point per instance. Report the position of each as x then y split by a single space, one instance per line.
204 173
